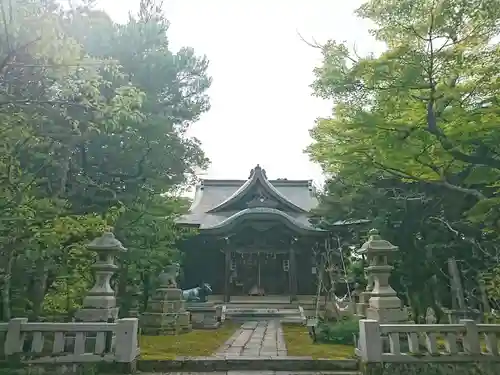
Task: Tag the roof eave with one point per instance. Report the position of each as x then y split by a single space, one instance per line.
259 213
298 230
258 174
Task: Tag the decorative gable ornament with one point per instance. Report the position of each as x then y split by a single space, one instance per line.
261 200
265 189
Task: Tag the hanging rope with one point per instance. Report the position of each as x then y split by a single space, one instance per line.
320 284
320 281
345 269
337 299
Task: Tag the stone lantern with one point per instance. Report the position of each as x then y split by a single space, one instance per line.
384 304
100 303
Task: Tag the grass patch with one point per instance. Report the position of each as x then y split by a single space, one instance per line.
197 343
298 343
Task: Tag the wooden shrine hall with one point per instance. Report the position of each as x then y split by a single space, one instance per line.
254 237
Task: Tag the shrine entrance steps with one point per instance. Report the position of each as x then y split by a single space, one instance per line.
271 299
255 309
256 314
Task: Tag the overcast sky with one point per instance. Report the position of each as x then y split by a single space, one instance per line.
262 106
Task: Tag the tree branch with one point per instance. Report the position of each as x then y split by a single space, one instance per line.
443 182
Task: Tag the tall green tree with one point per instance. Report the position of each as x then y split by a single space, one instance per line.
414 139
425 109
93 135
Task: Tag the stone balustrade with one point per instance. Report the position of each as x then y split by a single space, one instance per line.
464 342
71 343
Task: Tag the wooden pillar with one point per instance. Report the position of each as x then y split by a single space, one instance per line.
292 274
227 273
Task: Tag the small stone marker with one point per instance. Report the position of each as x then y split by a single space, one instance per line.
430 316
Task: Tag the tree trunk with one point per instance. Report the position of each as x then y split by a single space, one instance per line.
457 291
123 298
484 297
39 288
7 275
435 301
147 288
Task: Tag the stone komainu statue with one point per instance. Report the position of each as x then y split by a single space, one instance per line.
169 276
197 294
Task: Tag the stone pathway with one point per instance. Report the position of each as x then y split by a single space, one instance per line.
256 373
255 339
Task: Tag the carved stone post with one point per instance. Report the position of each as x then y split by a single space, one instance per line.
100 303
135 294
292 274
227 273
384 304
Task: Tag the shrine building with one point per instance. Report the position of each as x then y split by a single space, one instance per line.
254 237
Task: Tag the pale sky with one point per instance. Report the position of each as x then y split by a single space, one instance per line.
262 107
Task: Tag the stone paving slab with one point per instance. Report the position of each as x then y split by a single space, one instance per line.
255 373
262 339
249 325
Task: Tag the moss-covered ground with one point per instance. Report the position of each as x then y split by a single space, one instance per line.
197 343
299 343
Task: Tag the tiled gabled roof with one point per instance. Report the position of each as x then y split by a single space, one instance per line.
215 203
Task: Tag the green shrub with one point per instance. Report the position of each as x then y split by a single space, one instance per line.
341 332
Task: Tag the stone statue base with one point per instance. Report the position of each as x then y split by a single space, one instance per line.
455 316
256 291
88 314
386 309
387 315
363 304
166 314
205 315
156 324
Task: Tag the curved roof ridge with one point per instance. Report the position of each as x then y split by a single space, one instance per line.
197 196
264 210
256 174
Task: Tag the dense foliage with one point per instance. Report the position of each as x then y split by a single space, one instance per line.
414 142
343 332
93 116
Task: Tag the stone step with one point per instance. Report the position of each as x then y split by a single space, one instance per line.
258 364
259 373
252 313
258 317
285 306
259 299
294 319
238 310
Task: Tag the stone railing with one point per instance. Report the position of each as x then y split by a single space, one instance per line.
302 314
223 313
71 343
406 343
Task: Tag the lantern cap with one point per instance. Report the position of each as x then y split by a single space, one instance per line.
376 244
107 241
